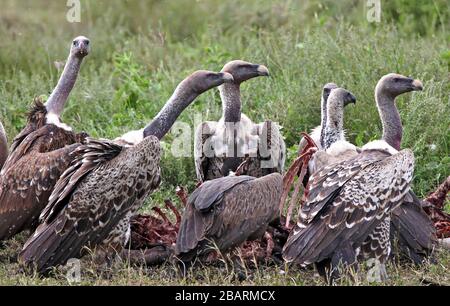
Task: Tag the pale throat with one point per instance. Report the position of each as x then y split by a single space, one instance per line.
231 102
390 118
56 101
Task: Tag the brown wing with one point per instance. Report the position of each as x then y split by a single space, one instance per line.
412 230
26 186
86 158
96 204
346 202
241 211
36 120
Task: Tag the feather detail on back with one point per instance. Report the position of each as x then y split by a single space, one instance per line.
85 159
346 201
239 208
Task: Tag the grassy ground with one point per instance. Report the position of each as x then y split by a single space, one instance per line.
142 49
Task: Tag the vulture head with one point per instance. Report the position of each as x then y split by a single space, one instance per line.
203 80
394 84
80 46
339 98
243 71
327 90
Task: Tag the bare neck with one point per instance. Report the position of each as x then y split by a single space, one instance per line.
56 101
323 120
162 123
334 125
230 94
390 118
3 146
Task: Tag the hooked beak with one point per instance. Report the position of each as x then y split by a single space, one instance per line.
262 70
350 99
417 85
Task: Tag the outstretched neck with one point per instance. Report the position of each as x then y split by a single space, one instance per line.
56 101
162 123
390 118
334 126
230 94
323 120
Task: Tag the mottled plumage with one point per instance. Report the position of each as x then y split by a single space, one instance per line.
29 175
316 133
104 184
227 211
345 203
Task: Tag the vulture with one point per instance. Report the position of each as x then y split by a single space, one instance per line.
227 211
334 147
3 146
317 131
40 153
323 211
221 147
107 182
345 203
411 228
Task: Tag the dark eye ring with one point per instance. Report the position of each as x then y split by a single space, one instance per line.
396 79
74 42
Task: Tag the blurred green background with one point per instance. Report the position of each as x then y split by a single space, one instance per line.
142 49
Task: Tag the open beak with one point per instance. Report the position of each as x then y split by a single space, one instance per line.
417 85
262 70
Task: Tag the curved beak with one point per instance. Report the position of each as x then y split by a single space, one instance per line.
417 85
350 99
262 70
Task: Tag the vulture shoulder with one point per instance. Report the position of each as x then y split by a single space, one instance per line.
346 201
86 158
105 183
27 182
36 120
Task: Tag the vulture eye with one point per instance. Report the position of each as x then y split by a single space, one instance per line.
86 42
396 80
74 43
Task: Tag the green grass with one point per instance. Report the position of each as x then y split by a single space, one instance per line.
141 50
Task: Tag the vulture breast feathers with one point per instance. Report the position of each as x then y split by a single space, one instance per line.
227 211
104 183
346 202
